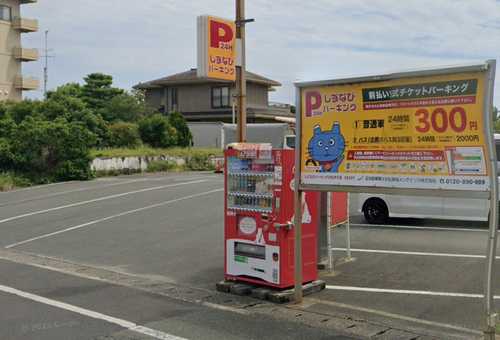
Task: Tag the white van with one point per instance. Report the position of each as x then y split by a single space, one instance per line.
378 208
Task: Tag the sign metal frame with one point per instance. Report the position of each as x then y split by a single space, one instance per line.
488 67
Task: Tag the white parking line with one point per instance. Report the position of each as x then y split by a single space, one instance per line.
416 253
394 316
389 226
184 178
35 187
404 291
100 186
54 194
91 314
97 200
112 217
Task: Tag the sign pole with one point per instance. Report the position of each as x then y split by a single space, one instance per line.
491 316
241 72
348 227
329 230
297 196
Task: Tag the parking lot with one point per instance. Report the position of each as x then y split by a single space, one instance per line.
87 259
430 273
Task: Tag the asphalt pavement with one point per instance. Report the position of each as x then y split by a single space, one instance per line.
76 308
156 229
424 269
76 243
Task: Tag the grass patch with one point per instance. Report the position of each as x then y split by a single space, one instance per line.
113 173
10 181
160 166
199 162
148 151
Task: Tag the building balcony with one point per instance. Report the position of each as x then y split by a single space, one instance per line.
26 54
27 83
25 25
28 1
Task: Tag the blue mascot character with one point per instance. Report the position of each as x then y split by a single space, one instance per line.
327 148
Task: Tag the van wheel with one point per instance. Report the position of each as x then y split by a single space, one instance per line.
375 211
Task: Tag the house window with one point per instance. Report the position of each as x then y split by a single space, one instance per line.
220 97
172 99
5 13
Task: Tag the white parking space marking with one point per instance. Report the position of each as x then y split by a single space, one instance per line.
38 212
112 217
91 314
404 291
416 253
100 186
186 178
36 187
394 316
417 228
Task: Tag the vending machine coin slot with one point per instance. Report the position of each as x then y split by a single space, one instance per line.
250 250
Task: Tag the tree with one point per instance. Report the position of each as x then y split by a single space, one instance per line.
496 119
178 122
139 95
7 127
7 131
124 107
157 132
69 89
98 91
63 104
124 135
3 109
52 150
20 110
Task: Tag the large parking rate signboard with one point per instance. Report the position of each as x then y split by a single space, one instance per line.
415 130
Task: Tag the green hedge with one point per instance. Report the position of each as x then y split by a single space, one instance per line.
149 152
196 159
124 135
163 166
10 181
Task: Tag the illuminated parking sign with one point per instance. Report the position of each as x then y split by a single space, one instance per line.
216 48
412 130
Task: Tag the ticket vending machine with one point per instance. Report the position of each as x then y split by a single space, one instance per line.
259 214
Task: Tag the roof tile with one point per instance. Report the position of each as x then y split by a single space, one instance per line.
190 77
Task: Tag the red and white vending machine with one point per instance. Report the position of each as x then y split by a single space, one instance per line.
259 214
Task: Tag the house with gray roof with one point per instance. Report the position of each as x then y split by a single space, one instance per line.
211 100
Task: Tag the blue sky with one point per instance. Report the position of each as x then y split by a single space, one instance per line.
291 39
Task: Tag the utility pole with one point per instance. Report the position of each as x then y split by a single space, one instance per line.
46 68
241 82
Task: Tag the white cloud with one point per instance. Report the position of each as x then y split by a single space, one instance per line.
290 40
